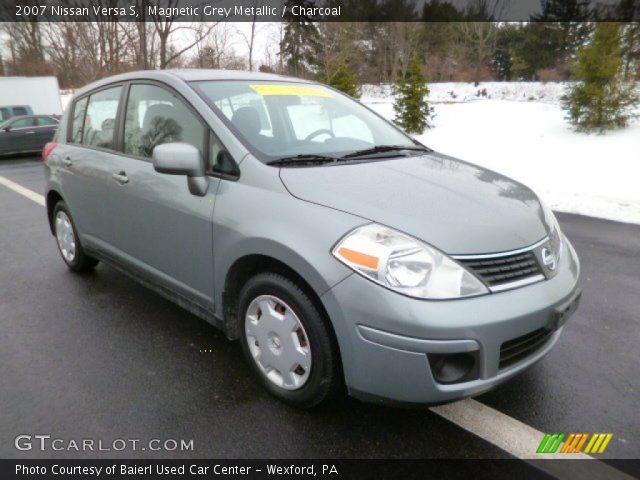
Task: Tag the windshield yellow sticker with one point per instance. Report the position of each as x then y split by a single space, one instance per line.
297 90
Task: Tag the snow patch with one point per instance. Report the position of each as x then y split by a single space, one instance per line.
459 92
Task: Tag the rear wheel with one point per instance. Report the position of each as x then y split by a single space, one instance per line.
287 342
68 242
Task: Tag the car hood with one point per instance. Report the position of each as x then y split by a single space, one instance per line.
455 206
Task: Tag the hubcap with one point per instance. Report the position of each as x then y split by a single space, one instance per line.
64 235
278 342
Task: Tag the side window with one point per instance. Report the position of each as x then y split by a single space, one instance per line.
100 119
79 110
22 123
4 114
44 121
156 116
223 163
20 111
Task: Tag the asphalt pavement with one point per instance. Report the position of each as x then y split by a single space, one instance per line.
99 356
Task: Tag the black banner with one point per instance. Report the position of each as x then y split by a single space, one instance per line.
319 10
322 469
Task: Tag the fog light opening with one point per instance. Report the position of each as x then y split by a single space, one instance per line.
453 367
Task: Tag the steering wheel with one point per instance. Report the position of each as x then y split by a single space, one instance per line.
319 132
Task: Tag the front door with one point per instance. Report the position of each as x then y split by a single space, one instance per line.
159 226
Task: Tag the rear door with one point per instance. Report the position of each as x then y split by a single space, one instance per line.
87 161
160 228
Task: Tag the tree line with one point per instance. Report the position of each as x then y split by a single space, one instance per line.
337 53
80 52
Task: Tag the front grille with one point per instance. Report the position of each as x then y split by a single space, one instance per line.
507 269
519 348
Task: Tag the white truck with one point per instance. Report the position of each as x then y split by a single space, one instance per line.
40 94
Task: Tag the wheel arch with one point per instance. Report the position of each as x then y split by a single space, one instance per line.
52 198
247 266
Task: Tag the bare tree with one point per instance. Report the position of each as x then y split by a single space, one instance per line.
167 25
215 51
249 39
26 48
394 43
480 40
337 47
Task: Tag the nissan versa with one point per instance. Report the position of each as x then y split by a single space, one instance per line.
336 248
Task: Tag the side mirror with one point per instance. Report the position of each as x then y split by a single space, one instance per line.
7 128
182 159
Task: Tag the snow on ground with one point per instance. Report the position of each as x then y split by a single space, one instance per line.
595 175
458 92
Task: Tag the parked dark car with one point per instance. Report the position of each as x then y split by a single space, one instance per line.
26 134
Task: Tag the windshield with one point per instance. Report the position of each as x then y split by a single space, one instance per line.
278 119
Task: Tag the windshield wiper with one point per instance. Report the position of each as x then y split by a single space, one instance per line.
304 159
385 148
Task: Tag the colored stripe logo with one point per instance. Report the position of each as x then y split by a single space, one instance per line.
574 442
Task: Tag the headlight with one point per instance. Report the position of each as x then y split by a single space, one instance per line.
405 265
555 234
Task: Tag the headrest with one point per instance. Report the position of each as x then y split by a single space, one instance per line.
247 120
161 110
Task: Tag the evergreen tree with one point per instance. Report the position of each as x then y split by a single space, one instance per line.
567 24
600 99
300 39
342 77
411 107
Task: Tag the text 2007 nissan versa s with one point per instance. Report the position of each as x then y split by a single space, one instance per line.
336 248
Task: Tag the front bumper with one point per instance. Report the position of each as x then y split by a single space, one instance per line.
385 337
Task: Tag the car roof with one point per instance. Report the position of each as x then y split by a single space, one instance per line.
189 75
194 74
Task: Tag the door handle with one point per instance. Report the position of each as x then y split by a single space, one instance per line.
32 131
121 178
67 162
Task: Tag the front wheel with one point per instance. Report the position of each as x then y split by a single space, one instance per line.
68 242
287 342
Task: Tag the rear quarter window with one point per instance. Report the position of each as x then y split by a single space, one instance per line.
100 118
79 110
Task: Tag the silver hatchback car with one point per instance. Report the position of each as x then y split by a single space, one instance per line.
336 248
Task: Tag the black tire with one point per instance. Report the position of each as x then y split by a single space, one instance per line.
81 262
325 378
